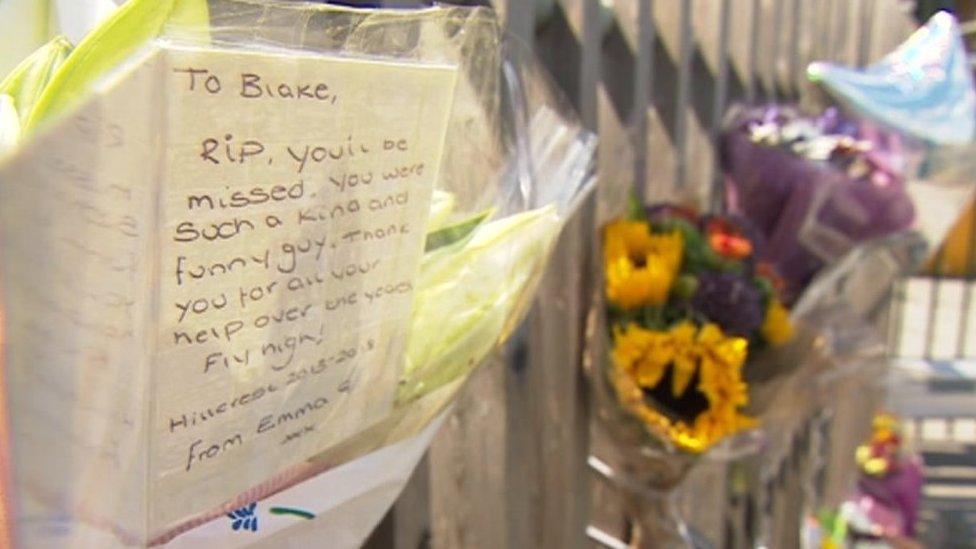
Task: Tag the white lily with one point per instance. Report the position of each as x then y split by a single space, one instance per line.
26 25
480 283
9 123
114 39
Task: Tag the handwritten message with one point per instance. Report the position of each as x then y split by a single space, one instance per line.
295 196
222 272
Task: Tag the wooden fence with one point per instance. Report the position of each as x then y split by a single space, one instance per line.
654 79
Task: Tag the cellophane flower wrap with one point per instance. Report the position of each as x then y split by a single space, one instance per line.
686 303
684 314
807 182
515 165
891 159
884 506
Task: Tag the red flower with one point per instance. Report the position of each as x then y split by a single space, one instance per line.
726 239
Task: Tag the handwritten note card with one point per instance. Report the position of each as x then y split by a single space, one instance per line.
288 196
77 215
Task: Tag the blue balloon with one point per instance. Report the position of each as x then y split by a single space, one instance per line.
923 89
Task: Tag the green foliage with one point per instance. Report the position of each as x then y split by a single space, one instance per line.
456 232
635 210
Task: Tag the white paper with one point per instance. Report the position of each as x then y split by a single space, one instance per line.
294 204
346 503
209 271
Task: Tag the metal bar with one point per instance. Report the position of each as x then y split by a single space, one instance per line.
605 539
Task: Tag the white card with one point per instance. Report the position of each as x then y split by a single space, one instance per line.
212 268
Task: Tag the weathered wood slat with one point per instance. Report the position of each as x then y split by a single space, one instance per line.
767 39
682 104
662 144
467 468
643 89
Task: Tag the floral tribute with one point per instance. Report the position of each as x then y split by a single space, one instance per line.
687 302
886 502
814 187
880 456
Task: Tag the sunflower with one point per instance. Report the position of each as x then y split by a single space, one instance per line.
640 266
685 356
643 354
722 358
721 363
624 238
642 358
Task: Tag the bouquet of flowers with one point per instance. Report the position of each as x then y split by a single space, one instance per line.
503 194
686 311
814 186
885 504
702 319
687 303
852 198
891 161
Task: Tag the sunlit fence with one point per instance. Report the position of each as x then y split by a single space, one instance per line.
512 466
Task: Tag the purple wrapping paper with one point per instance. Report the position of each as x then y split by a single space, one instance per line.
811 212
892 502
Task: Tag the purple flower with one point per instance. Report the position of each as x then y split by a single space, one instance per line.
731 301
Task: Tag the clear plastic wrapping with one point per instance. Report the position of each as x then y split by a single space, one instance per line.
279 241
896 157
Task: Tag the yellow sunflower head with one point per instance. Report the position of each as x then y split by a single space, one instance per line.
686 356
625 238
643 354
641 360
640 266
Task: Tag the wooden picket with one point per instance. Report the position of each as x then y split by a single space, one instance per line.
653 78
